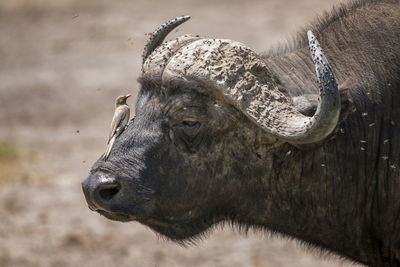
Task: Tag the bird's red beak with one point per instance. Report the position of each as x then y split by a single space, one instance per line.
128 96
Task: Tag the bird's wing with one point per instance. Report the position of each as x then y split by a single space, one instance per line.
119 115
109 146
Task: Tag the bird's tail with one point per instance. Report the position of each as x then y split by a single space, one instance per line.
109 146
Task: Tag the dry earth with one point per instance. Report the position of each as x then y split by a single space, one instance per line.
62 63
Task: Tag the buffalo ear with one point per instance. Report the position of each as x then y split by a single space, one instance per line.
306 104
347 105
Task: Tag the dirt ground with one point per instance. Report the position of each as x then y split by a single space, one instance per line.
62 63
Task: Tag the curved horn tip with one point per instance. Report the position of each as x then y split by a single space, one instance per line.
310 36
179 20
183 17
158 36
315 48
328 109
317 55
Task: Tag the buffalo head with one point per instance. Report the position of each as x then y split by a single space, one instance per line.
209 120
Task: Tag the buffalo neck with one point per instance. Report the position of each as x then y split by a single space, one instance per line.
306 195
330 194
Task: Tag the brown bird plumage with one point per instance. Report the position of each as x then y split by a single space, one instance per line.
119 121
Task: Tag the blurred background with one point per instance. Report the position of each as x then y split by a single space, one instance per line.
62 63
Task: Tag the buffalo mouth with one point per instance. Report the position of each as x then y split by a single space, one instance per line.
116 216
180 231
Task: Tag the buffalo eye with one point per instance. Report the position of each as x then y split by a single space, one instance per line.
187 124
187 133
189 128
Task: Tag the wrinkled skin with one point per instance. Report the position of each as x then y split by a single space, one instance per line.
190 159
176 131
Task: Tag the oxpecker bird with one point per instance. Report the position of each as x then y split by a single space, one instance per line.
119 121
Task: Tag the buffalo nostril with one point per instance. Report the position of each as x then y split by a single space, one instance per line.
100 190
108 191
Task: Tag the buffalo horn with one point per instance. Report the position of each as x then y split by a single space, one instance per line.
300 129
326 117
158 36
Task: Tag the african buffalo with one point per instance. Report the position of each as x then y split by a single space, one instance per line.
304 145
